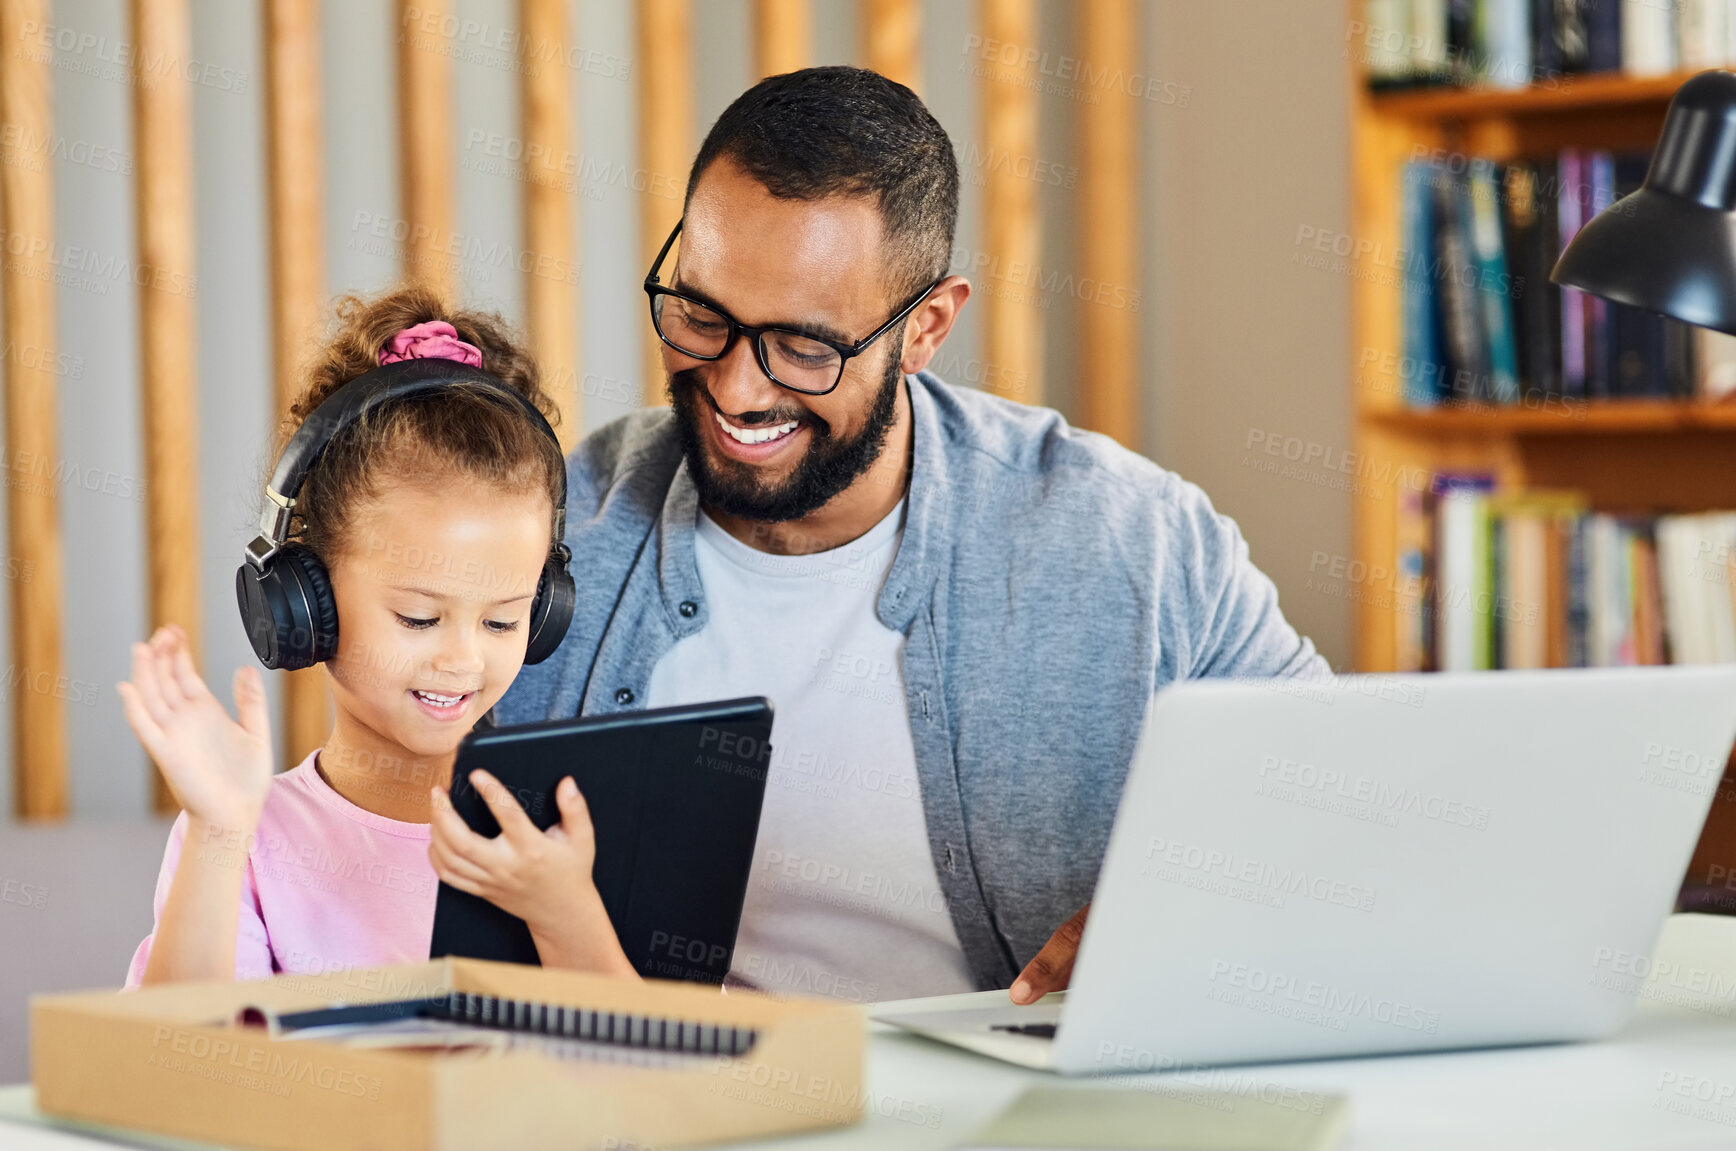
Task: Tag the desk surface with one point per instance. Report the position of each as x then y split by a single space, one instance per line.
1665 1083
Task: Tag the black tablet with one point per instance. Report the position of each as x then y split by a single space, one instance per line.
675 798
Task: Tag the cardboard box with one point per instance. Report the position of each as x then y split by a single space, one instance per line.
165 1059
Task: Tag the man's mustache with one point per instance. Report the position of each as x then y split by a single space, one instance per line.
687 381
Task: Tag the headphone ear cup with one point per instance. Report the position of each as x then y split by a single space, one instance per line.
288 609
552 610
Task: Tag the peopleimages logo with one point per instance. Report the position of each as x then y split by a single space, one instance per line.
1294 777
1334 1003
1164 856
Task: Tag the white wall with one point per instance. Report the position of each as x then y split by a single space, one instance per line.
1233 335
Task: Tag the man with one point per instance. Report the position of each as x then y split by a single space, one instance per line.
959 606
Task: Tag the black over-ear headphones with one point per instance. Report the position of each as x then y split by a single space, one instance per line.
284 591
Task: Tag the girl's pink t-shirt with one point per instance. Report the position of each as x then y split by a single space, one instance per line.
328 886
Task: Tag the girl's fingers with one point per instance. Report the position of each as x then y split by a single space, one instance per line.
452 867
250 705
448 828
163 660
139 719
186 676
145 679
454 878
575 812
515 825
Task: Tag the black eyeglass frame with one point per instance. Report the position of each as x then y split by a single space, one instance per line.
846 352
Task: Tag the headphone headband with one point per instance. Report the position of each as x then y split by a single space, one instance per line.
347 405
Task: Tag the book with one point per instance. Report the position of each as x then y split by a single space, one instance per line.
1463 591
484 1012
1504 40
1603 45
1420 364
1648 37
1599 173
1569 44
1536 579
1636 335
1579 593
1681 355
1428 41
1702 34
1166 1116
1715 360
1573 196
1494 287
1648 628
1458 309
1411 610
1528 580
1385 41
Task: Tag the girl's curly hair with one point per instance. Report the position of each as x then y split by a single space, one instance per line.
459 430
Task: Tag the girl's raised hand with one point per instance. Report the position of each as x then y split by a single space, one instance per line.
220 770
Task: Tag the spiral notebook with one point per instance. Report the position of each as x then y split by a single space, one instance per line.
465 1019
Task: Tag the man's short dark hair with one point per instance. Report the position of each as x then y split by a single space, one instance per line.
839 131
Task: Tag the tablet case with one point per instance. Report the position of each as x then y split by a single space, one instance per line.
675 797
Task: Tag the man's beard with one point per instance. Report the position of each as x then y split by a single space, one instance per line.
828 467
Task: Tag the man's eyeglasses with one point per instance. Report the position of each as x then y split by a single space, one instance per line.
800 361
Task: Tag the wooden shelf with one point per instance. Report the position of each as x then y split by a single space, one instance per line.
1596 418
1574 93
1643 456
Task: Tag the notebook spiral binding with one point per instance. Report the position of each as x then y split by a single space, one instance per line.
645 1031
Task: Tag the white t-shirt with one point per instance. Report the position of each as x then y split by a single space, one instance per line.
844 901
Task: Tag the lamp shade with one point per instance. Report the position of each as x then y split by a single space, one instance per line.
1671 246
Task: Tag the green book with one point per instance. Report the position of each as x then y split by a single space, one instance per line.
1167 1116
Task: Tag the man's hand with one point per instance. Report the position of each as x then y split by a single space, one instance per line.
544 878
1053 966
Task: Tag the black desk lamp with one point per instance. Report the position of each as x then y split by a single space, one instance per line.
1671 246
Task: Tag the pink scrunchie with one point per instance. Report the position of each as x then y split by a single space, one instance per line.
433 340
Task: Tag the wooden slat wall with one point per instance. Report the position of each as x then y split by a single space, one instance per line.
168 349
32 442
1011 231
425 163
296 189
783 36
665 46
1107 221
891 39
549 297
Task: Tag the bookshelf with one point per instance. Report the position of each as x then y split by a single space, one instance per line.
1629 455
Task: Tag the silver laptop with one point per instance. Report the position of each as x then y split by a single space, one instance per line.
1376 864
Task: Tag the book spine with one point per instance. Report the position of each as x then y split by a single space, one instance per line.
1494 287
1428 42
1420 367
1701 33
1545 298
1384 40
1603 21
1648 37
1578 592
1461 319
1599 172
1507 45
1570 200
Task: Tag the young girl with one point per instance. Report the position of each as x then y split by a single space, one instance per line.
433 516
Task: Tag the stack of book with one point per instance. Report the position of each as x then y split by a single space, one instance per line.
1481 322
1492 580
1520 43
